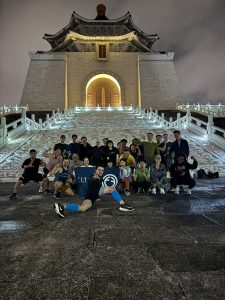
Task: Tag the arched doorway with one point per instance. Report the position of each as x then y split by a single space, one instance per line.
103 90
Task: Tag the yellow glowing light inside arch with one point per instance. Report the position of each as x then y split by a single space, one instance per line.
106 76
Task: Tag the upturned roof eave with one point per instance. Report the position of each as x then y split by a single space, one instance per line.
76 19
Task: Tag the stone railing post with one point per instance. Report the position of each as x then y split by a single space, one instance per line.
53 117
209 125
47 121
3 131
33 121
188 117
156 114
178 120
40 123
150 113
163 118
23 116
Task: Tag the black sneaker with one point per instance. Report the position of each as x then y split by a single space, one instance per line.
13 196
59 210
57 195
126 207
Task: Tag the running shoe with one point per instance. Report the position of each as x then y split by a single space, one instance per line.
177 190
13 196
153 191
189 192
126 207
59 210
162 191
57 195
126 193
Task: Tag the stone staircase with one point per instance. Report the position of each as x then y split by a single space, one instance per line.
96 125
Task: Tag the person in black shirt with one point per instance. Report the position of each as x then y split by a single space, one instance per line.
98 155
74 147
112 153
85 149
179 146
104 149
94 191
31 167
62 146
180 174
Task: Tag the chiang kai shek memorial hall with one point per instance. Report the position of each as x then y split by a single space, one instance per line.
101 62
100 78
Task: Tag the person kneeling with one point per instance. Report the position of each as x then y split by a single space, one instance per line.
94 191
180 173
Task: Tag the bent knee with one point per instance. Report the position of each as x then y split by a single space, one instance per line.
83 208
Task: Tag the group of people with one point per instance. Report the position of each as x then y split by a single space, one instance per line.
144 165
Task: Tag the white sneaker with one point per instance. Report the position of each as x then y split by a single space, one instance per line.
177 190
40 189
189 192
162 191
154 191
126 193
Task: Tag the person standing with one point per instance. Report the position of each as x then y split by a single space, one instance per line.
62 146
85 149
151 149
165 153
74 147
98 155
179 146
112 153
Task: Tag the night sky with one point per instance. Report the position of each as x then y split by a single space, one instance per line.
194 30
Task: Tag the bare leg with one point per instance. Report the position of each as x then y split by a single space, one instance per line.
17 186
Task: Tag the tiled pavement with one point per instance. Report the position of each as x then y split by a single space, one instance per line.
170 247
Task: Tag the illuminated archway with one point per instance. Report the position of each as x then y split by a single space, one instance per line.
103 90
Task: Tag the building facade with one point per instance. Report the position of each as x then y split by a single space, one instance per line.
100 62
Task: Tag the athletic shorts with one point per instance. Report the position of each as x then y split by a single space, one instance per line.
94 197
59 177
37 178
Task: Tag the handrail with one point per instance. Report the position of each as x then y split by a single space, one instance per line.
215 134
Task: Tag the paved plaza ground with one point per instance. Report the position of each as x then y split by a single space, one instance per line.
170 247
